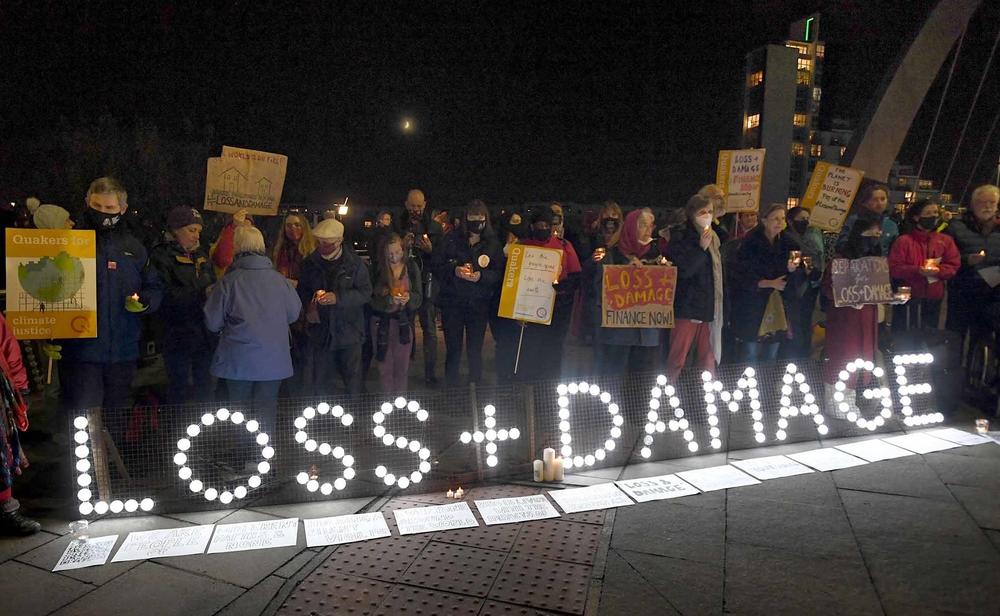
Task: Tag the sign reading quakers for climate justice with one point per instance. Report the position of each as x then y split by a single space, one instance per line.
527 293
52 283
740 174
830 193
861 281
638 296
245 180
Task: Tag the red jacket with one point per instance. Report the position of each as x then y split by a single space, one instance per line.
13 368
909 253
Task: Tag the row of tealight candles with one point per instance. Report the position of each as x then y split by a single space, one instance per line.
549 468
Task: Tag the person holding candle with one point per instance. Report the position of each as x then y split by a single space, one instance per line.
294 244
972 302
396 297
809 240
872 200
422 235
922 259
604 233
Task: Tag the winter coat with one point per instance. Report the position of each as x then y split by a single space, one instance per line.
341 324
123 269
186 277
455 251
381 299
13 368
626 336
758 259
695 295
251 307
908 255
890 231
970 240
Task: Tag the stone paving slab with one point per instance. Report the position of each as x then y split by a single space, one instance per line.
455 568
557 539
673 529
822 532
413 601
691 587
336 594
496 608
814 489
624 589
28 591
966 470
255 600
880 517
983 504
905 476
11 547
542 583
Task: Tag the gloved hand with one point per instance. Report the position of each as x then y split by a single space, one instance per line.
52 351
132 304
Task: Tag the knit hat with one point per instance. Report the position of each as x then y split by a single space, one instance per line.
542 214
50 216
182 216
329 229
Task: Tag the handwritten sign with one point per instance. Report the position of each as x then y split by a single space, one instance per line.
601 496
638 296
165 542
827 459
717 478
874 451
430 519
244 179
740 174
254 536
830 193
51 283
771 467
86 553
518 509
857 282
527 293
345 529
656 488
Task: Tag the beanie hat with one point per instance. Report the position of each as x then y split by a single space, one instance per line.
542 214
329 229
50 216
182 216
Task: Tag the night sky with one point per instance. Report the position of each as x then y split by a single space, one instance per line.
513 101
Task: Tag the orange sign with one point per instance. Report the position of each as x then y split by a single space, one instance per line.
638 296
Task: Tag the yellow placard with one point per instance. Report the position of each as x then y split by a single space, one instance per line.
829 195
527 293
243 179
740 174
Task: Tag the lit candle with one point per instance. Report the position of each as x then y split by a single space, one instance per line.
539 473
450 494
459 492
549 464
982 426
560 470
134 297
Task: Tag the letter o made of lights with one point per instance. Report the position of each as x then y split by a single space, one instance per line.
654 420
566 437
196 485
325 449
380 432
83 479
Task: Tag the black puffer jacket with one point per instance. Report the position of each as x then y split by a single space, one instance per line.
185 276
341 324
695 296
455 251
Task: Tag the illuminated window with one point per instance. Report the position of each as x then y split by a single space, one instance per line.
805 64
817 94
925 185
801 119
753 121
908 196
755 79
803 49
793 202
803 78
816 150
820 51
798 149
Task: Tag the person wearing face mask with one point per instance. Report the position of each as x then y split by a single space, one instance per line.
923 260
187 274
721 221
334 287
604 232
97 372
972 302
470 267
809 240
295 243
396 296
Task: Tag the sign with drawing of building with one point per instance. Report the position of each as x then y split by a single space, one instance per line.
244 179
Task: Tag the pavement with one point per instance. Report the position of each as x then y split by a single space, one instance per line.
914 535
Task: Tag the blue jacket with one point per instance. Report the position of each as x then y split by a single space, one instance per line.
122 269
252 306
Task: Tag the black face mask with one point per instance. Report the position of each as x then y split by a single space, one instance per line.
541 235
800 226
870 244
475 226
611 224
99 221
927 224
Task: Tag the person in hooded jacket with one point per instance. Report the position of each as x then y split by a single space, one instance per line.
335 286
187 274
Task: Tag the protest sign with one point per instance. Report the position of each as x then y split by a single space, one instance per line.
430 519
148 544
345 529
638 296
254 536
244 179
51 283
601 496
82 553
830 193
740 173
527 293
857 282
515 509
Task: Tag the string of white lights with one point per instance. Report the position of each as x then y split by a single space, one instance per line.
312 484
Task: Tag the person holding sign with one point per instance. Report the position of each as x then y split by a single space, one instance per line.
923 260
974 296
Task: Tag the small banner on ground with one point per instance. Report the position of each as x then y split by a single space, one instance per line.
830 193
244 179
857 282
527 293
740 174
638 296
51 283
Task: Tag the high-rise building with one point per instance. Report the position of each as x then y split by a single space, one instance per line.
781 102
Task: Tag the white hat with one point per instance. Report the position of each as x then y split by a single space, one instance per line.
329 229
50 216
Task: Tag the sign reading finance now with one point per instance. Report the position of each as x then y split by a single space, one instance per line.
638 296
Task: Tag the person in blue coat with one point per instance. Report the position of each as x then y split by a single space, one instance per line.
97 372
251 307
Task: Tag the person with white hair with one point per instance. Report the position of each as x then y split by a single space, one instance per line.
972 302
251 307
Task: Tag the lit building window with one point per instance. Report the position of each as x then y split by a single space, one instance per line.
908 196
798 149
817 94
816 150
802 49
820 51
803 78
755 79
801 119
753 121
805 64
926 185
793 202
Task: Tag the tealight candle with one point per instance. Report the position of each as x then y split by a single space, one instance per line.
459 493
449 494
982 426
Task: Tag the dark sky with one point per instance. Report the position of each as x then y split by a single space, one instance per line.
514 101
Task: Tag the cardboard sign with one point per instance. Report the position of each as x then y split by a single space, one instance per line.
166 542
527 293
740 174
638 296
245 180
830 193
345 529
857 282
51 283
435 518
254 536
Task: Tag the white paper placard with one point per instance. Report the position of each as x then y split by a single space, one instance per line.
874 450
430 519
517 509
345 529
771 467
920 442
960 437
254 536
656 488
717 478
827 459
90 553
601 496
165 542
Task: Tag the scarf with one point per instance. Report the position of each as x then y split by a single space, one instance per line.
716 337
628 241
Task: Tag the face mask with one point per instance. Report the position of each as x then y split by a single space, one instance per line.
927 224
800 226
557 220
99 221
870 243
703 221
329 251
610 224
475 226
541 234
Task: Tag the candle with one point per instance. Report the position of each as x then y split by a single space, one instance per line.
560 470
903 294
548 455
795 256
982 426
539 473
459 492
134 297
450 494
549 461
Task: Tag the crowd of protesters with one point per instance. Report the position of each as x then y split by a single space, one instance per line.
311 314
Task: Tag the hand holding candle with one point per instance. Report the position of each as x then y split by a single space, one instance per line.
132 303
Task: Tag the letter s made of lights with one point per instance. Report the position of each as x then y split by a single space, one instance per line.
491 435
83 478
325 449
401 442
566 438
